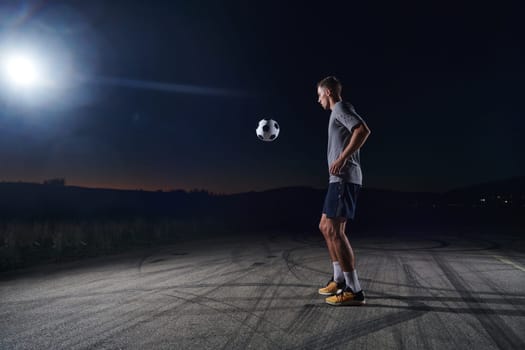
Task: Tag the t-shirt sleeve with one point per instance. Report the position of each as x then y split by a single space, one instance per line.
349 119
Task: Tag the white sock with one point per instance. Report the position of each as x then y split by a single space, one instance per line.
338 272
352 281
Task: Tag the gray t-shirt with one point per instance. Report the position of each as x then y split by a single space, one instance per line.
342 122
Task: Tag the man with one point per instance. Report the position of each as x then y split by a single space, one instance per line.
347 132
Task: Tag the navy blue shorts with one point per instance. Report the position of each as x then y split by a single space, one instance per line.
341 200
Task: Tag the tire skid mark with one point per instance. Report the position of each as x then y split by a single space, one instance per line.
345 333
439 244
262 317
414 279
216 265
122 324
162 271
373 280
309 240
71 317
502 335
439 295
177 306
214 270
447 309
202 262
251 311
145 257
517 304
289 263
206 303
232 272
411 278
151 289
236 254
303 316
492 245
266 248
79 315
309 315
197 297
293 265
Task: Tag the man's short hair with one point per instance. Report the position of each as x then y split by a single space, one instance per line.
331 83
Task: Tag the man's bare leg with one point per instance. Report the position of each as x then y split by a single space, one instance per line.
346 242
323 227
335 230
338 275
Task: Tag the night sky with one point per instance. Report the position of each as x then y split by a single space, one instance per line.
439 85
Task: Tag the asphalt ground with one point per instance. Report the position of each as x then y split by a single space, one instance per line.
424 291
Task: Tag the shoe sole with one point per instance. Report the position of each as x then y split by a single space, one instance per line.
348 303
329 294
326 294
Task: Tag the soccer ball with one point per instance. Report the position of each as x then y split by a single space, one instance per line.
267 130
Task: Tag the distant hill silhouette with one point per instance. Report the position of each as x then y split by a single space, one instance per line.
31 200
511 185
509 192
54 222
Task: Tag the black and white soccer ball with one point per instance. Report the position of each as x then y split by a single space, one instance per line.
267 130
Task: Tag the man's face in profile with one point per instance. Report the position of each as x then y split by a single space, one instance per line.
323 99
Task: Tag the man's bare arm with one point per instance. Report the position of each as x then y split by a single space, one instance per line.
357 140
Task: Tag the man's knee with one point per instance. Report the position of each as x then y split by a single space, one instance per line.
323 224
332 234
334 229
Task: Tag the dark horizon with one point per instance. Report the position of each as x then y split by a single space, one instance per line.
517 180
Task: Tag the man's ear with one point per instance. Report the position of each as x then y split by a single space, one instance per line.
327 92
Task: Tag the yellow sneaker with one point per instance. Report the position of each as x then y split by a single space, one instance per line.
331 287
346 297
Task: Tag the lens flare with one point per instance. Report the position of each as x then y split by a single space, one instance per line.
21 71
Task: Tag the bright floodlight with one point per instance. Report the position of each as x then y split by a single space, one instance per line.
21 70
